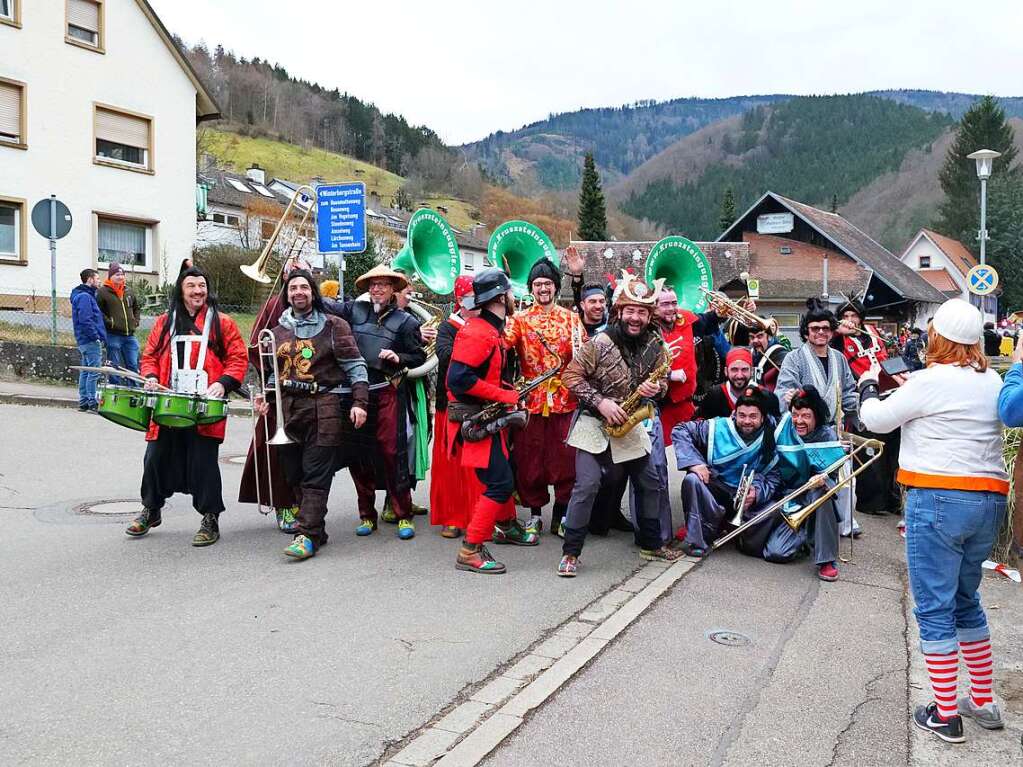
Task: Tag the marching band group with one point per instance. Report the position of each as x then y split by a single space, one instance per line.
768 439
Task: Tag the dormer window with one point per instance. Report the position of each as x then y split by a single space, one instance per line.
925 262
85 24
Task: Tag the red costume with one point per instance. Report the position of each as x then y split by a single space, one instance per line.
677 406
859 350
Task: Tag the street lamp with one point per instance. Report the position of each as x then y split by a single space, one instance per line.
985 159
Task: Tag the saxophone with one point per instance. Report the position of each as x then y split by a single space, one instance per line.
633 405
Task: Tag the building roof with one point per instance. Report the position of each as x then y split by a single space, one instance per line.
856 244
205 105
941 280
727 259
961 258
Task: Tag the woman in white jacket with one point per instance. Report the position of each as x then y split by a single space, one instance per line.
951 463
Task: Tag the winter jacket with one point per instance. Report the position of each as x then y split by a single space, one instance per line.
121 315
86 316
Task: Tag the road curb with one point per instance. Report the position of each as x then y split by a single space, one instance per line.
505 700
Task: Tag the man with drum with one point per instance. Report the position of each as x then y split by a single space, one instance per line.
389 341
198 353
316 352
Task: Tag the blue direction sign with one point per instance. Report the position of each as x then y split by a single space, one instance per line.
982 279
341 217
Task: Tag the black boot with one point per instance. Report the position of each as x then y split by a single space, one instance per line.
208 532
148 519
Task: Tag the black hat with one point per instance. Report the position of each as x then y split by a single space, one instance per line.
488 285
852 305
756 397
809 397
545 269
816 311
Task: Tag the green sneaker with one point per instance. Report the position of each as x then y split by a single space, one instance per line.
406 529
388 515
300 548
366 527
286 518
515 534
535 525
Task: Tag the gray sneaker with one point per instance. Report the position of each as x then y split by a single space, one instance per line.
988 716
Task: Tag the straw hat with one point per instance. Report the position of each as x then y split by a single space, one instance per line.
381 271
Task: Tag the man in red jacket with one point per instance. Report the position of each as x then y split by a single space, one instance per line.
193 349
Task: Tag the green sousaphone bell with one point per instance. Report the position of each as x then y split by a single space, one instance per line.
685 269
430 253
514 247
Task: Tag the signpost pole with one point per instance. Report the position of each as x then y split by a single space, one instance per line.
983 218
53 269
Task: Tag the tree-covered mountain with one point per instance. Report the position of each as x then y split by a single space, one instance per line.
809 148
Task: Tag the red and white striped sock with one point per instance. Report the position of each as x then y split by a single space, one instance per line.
980 665
944 673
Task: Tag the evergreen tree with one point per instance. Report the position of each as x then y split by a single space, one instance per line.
1005 228
727 217
592 211
982 127
834 203
357 264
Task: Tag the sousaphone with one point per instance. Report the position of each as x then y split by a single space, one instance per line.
685 269
514 247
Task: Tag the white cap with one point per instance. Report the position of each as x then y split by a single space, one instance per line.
959 321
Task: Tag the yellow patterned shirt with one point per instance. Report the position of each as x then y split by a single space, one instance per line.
563 333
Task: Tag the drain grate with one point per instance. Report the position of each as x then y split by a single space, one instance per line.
728 638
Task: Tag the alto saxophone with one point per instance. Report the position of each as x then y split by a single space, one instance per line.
633 405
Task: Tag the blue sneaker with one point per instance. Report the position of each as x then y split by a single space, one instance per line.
406 529
366 527
300 548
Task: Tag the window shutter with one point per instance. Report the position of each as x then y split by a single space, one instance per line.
84 14
122 129
10 110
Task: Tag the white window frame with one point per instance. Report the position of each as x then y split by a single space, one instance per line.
20 255
149 265
148 165
13 17
925 265
22 142
100 45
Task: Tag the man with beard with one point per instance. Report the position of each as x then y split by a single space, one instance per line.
720 401
315 353
617 363
807 444
590 299
389 341
545 336
715 453
475 379
768 354
192 349
816 364
877 492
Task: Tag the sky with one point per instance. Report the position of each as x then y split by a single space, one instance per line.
467 69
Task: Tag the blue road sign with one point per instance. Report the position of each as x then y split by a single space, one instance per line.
982 279
341 217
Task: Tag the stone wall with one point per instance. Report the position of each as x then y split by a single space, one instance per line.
18 360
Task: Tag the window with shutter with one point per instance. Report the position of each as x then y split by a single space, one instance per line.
85 22
12 118
123 138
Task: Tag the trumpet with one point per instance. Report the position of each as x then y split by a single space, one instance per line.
266 346
740 313
739 500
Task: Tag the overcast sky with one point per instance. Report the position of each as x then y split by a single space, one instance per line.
466 68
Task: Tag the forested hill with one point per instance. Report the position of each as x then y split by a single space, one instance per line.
262 99
813 149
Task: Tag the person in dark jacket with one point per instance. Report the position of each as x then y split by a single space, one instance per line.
991 340
121 311
90 335
912 352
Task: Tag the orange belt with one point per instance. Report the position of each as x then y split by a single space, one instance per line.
948 482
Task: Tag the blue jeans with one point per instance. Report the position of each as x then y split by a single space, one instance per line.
949 533
92 355
123 351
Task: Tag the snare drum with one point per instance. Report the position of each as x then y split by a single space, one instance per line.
211 410
125 406
176 411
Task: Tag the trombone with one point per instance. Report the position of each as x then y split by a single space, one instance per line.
257 270
266 347
740 313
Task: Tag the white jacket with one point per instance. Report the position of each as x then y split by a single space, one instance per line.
951 434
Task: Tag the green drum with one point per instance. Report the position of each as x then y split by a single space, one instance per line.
125 406
212 409
176 411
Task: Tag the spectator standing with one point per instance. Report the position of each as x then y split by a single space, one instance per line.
991 340
912 352
120 310
90 335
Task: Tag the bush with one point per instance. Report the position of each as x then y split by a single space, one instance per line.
232 288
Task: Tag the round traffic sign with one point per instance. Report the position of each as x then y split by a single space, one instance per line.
41 218
982 279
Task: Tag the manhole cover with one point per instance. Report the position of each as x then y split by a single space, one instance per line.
728 638
238 460
115 507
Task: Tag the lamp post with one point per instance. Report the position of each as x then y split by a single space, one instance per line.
984 159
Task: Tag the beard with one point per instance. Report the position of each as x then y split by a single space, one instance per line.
509 306
739 383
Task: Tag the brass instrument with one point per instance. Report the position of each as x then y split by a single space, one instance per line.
474 427
430 316
637 412
795 519
267 349
258 270
739 499
740 313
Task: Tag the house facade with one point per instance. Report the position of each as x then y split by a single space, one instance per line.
97 107
944 263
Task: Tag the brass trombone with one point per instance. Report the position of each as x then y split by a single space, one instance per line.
266 347
257 270
740 313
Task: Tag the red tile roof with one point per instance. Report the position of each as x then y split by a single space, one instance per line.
940 279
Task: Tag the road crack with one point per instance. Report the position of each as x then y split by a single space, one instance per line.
854 714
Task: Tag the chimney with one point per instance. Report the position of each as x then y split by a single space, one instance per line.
316 180
256 174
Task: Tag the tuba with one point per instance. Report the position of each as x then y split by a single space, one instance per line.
514 247
684 268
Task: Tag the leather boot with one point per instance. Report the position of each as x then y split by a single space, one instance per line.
208 532
475 558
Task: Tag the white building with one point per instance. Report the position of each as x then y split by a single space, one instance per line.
944 263
98 107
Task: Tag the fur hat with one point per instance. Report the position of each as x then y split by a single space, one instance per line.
544 269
